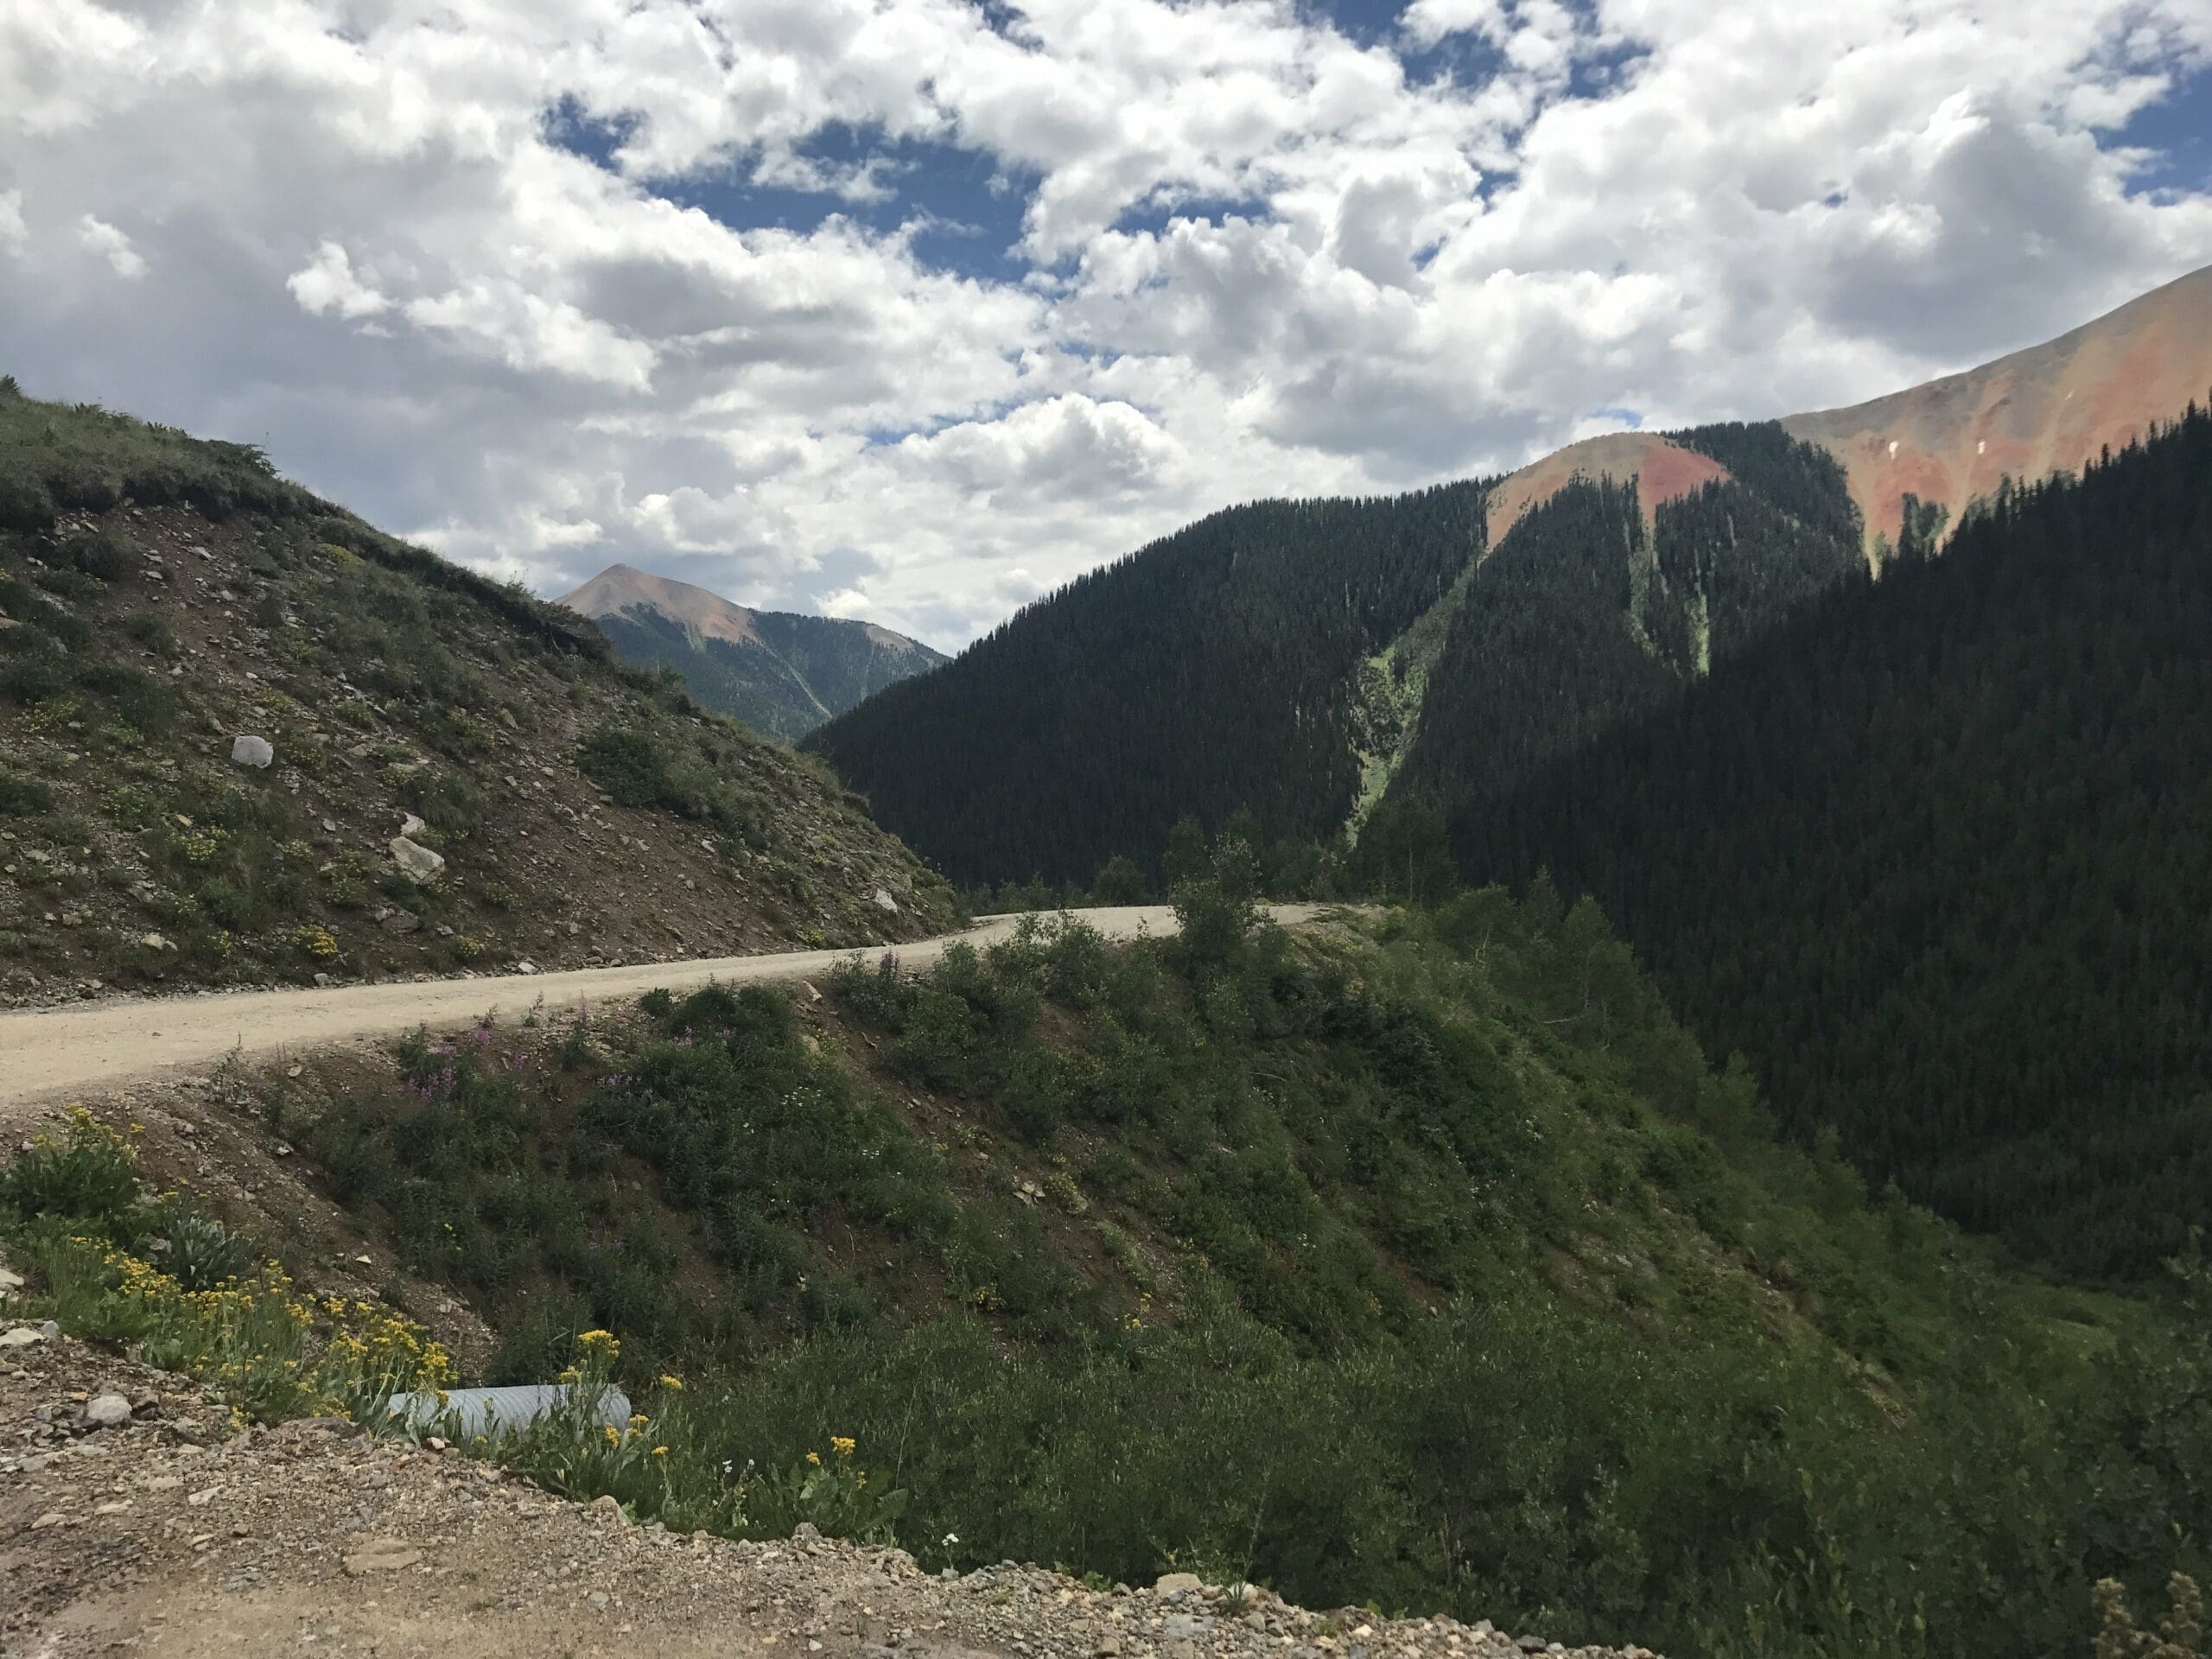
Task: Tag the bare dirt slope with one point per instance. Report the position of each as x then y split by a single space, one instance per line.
2048 409
1662 471
171 1535
46 1054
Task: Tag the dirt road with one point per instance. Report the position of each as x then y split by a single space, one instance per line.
52 1053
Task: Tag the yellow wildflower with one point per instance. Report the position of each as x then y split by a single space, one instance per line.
675 1383
660 1450
843 1444
814 1457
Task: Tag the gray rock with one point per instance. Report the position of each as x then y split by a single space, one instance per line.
1187 1627
401 921
22 1337
107 1411
417 862
252 751
414 826
1176 1584
884 901
382 1556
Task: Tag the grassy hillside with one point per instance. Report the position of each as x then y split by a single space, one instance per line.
1421 1261
162 596
1935 856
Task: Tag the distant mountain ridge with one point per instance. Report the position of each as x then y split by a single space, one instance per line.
1313 660
781 673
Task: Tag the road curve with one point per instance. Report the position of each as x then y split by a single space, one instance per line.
55 1053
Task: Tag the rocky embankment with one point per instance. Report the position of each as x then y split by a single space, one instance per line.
134 1515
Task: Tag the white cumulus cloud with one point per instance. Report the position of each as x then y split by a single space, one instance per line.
683 282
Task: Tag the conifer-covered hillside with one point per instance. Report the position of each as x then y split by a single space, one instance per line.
244 737
1298 663
1215 669
1936 854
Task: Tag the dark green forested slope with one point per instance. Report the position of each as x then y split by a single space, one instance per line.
1241 663
1585 617
1937 856
1213 670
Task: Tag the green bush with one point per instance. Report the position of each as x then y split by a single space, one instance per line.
100 553
88 1177
22 797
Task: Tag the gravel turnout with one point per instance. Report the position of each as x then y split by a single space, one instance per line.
137 1516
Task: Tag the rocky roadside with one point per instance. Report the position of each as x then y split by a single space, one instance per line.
134 1517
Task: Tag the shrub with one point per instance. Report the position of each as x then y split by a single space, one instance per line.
202 1253
138 697
1120 882
2177 1637
628 764
22 797
90 1176
100 553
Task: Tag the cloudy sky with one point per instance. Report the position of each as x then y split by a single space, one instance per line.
914 308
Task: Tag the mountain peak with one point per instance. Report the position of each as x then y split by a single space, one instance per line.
623 587
781 672
2048 408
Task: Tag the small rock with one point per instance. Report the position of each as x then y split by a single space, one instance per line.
51 1518
607 1506
22 1337
525 966
382 1556
403 921
1187 1627
106 1411
1176 1584
598 1599
10 1282
252 751
417 862
414 826
884 901
156 942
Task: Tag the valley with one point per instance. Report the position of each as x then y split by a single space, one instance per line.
1635 1076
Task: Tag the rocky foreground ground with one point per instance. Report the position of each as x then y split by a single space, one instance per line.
136 1518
